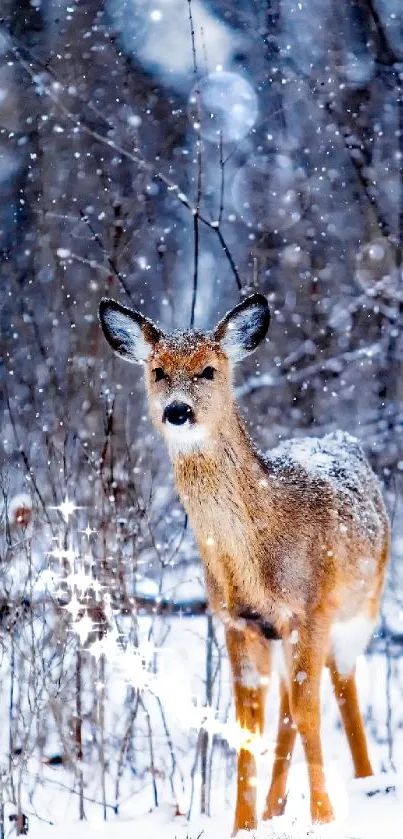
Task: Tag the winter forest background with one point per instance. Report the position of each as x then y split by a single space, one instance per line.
176 155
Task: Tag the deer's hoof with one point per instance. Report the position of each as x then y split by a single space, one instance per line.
244 821
321 809
275 807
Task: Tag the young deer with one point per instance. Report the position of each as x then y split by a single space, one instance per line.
294 545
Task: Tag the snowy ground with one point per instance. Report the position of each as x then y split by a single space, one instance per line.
359 815
50 794
367 818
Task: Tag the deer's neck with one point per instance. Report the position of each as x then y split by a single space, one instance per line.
228 497
228 464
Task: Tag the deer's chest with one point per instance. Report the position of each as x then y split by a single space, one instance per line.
232 541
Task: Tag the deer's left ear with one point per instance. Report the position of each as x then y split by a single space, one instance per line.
244 327
130 334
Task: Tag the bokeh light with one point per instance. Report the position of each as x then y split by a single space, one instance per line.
223 105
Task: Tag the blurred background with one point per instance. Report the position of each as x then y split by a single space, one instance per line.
177 155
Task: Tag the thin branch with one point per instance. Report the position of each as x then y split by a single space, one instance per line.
111 262
385 52
70 116
211 224
27 464
222 180
195 266
151 750
330 365
199 172
80 125
227 252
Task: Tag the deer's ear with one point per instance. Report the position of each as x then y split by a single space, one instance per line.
130 334
244 327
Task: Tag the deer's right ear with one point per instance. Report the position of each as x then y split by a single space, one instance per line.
130 334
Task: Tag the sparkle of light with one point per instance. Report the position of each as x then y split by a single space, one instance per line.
83 627
88 531
66 508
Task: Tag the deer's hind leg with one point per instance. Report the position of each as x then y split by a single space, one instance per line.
250 659
345 691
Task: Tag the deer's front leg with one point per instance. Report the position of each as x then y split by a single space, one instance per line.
306 663
250 659
286 734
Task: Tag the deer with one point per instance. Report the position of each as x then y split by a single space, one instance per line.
294 544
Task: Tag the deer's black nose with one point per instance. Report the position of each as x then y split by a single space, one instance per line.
177 413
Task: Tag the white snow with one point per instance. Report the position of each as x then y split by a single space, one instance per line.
337 460
179 683
365 816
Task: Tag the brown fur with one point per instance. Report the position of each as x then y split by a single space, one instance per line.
282 542
272 542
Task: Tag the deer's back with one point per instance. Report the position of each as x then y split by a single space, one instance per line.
334 469
333 493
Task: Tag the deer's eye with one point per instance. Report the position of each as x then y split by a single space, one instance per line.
159 374
207 373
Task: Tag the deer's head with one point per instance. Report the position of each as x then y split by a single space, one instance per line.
188 374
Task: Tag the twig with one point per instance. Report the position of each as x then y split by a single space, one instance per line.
123 749
111 262
78 731
80 125
27 464
204 735
199 173
174 765
101 706
151 748
222 180
226 251
108 436
287 371
211 224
